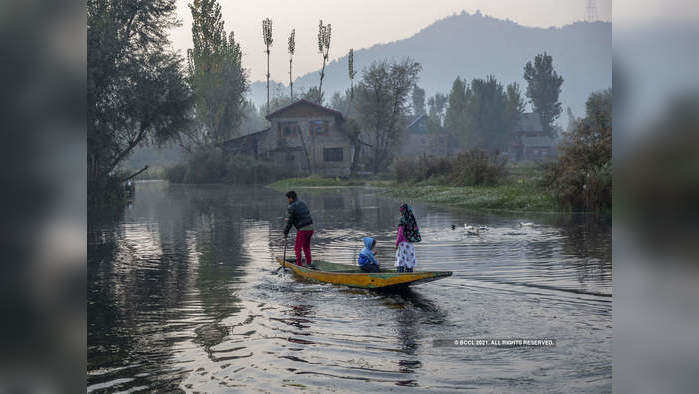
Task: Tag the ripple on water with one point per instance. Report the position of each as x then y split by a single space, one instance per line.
183 294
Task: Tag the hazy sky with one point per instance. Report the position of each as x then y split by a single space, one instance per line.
359 24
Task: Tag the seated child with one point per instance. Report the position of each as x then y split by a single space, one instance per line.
367 262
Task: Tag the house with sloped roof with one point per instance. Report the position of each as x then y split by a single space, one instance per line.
304 136
529 140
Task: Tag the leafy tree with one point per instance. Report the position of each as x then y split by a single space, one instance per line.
515 105
276 103
418 101
435 115
543 89
315 95
136 90
382 97
582 176
571 119
456 120
216 75
253 120
342 102
488 120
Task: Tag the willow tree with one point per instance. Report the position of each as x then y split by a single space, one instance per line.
292 48
324 33
267 38
382 103
136 90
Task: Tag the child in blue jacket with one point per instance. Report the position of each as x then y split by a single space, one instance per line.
367 262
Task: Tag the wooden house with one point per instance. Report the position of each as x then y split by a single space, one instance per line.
530 142
303 135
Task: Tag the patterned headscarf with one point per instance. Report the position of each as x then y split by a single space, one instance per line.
407 220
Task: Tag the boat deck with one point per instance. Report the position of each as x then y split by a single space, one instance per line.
327 266
348 275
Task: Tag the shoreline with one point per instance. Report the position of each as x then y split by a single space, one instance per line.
512 196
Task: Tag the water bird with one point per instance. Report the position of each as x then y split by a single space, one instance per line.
471 230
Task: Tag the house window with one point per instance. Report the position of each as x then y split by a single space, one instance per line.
332 154
319 127
288 129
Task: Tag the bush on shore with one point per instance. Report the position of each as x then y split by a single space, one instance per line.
477 168
581 178
216 166
472 168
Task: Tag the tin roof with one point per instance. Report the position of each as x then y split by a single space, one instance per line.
335 113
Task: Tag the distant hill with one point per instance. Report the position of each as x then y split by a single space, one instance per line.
473 46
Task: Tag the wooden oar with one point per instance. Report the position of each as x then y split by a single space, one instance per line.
283 259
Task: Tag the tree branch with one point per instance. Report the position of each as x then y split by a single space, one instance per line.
134 174
128 149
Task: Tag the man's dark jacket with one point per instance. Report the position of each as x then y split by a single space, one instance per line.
299 216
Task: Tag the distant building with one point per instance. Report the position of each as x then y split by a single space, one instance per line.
419 125
418 141
530 142
300 134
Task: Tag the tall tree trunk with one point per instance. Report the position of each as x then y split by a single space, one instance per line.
305 151
355 159
322 75
291 83
268 80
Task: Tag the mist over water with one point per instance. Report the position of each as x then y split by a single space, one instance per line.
182 293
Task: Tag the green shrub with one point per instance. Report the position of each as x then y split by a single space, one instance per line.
404 169
217 166
581 178
420 169
478 168
473 168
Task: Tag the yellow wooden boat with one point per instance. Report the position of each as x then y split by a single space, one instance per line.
342 274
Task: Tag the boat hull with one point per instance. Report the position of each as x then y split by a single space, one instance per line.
351 276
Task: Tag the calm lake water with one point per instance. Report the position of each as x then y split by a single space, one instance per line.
183 295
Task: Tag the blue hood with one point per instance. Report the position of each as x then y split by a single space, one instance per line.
366 256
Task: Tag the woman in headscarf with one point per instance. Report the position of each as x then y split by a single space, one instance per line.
408 232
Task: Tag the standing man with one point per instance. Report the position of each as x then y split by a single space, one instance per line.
299 217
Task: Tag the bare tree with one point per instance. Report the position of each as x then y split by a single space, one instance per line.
382 105
292 48
267 38
324 33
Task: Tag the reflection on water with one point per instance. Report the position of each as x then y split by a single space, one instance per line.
183 294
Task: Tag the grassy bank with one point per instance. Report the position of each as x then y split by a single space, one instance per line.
520 191
317 181
512 196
